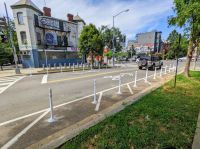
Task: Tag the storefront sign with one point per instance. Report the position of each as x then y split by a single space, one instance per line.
49 23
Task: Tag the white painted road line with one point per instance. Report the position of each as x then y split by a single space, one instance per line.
66 103
98 102
131 91
44 79
10 84
15 139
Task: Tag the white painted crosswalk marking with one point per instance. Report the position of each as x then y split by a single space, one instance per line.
6 82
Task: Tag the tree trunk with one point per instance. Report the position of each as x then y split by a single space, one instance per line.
92 58
1 67
189 58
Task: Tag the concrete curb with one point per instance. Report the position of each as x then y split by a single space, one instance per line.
68 133
196 141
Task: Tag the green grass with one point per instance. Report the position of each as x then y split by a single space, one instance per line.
166 117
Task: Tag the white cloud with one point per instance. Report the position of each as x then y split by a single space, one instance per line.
142 14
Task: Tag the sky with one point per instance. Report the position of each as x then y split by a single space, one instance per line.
144 15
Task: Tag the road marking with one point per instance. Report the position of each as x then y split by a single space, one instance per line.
92 75
66 103
15 139
131 91
98 102
44 79
9 83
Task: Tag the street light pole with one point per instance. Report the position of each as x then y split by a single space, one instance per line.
113 42
17 70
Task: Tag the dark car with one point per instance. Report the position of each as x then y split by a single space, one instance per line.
150 62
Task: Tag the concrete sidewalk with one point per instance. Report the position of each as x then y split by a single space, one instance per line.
27 71
196 141
72 117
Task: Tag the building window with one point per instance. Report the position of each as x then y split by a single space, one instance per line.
20 18
39 39
23 37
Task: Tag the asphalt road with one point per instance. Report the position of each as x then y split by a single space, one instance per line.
29 95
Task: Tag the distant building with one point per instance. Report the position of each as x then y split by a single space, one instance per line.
147 42
42 36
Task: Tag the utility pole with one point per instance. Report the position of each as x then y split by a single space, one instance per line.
17 70
176 53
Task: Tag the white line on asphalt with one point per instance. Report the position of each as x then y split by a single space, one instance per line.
44 79
99 101
3 84
63 104
12 83
15 139
131 91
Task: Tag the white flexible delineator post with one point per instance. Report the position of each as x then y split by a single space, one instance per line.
155 73
52 118
119 88
135 81
161 71
146 76
73 67
166 69
94 90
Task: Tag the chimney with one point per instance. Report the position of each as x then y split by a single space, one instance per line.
70 17
47 11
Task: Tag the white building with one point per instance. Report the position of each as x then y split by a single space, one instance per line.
42 36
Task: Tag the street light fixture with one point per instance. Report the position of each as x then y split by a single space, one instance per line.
113 56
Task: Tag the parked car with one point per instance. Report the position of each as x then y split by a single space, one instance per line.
150 62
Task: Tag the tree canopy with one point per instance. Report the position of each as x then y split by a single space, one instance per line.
90 41
173 45
187 16
107 36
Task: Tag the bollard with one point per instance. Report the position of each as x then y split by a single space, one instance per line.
43 66
170 67
135 83
174 68
161 71
51 119
54 66
73 67
50 66
70 65
146 76
91 67
120 81
61 69
95 95
154 76
165 69
106 66
83 67
99 66
65 66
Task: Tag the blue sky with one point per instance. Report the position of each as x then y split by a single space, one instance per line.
144 15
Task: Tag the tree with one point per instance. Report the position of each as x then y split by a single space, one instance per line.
107 36
132 51
187 16
5 53
90 42
173 45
